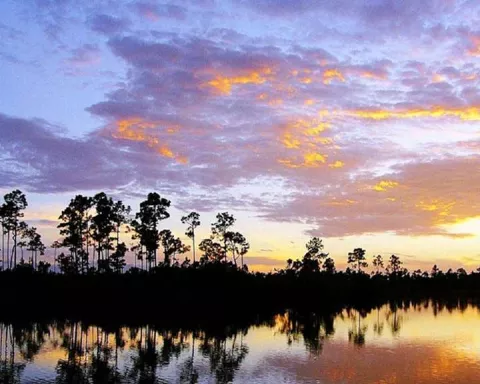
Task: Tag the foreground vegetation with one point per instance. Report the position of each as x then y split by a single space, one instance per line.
90 276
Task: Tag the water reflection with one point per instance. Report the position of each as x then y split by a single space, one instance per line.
399 343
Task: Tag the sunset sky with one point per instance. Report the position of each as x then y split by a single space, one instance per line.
356 121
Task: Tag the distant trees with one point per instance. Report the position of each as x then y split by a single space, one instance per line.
224 241
394 265
92 229
357 260
378 264
172 246
34 245
312 259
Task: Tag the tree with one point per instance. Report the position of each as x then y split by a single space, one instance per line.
152 211
212 251
357 260
172 246
35 245
117 258
102 226
57 244
329 266
193 221
219 229
67 264
74 227
11 212
436 272
43 267
314 255
394 265
237 245
3 223
378 264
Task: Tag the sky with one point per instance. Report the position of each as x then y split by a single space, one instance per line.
356 121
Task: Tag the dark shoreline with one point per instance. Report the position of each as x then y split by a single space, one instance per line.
215 296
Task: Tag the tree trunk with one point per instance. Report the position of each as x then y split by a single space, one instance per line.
8 248
3 247
15 247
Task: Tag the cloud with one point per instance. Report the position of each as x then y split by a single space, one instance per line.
341 132
86 55
153 11
109 25
417 200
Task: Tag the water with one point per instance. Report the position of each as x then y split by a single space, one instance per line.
426 343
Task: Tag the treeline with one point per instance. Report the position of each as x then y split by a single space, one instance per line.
92 229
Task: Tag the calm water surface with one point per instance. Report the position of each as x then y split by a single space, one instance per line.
426 343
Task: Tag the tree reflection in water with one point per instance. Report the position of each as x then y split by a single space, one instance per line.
313 328
151 354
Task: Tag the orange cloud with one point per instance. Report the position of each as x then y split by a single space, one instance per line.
134 129
438 78
314 159
466 113
223 84
262 96
303 135
289 141
309 160
337 164
330 74
373 75
384 185
475 51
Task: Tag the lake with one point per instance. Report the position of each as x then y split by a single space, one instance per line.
427 342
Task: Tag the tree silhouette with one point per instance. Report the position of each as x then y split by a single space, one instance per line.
314 255
193 221
212 251
102 226
117 258
34 245
329 266
221 227
57 244
357 260
378 264
12 212
66 264
394 265
74 227
172 246
152 211
237 245
4 224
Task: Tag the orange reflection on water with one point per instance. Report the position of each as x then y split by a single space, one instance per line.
403 343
